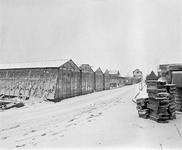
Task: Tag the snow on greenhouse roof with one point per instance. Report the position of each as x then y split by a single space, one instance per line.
35 64
104 69
94 68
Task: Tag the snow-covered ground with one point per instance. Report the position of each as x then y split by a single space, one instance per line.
101 120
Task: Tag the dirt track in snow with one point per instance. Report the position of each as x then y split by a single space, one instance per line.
106 119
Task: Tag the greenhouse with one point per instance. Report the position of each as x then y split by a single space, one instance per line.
98 79
54 80
87 79
106 80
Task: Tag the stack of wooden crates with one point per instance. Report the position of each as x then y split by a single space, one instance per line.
143 111
161 103
171 89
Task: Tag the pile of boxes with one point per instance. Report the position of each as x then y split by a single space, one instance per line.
160 104
178 99
171 89
143 111
158 101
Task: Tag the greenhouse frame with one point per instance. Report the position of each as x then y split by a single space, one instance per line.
106 80
87 77
98 79
54 80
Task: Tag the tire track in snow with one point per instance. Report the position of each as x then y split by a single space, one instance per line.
42 121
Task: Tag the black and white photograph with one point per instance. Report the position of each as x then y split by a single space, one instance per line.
91 74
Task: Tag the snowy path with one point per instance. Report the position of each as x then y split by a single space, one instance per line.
104 120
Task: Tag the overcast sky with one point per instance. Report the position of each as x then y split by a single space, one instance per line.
112 34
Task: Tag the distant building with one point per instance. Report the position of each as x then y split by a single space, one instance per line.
128 80
115 79
137 75
114 73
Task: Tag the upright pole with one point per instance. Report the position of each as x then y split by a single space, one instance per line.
139 86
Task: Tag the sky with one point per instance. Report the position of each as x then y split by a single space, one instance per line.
112 34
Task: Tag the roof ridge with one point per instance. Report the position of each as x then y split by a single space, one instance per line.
36 61
35 64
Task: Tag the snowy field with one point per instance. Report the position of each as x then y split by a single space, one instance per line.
101 120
